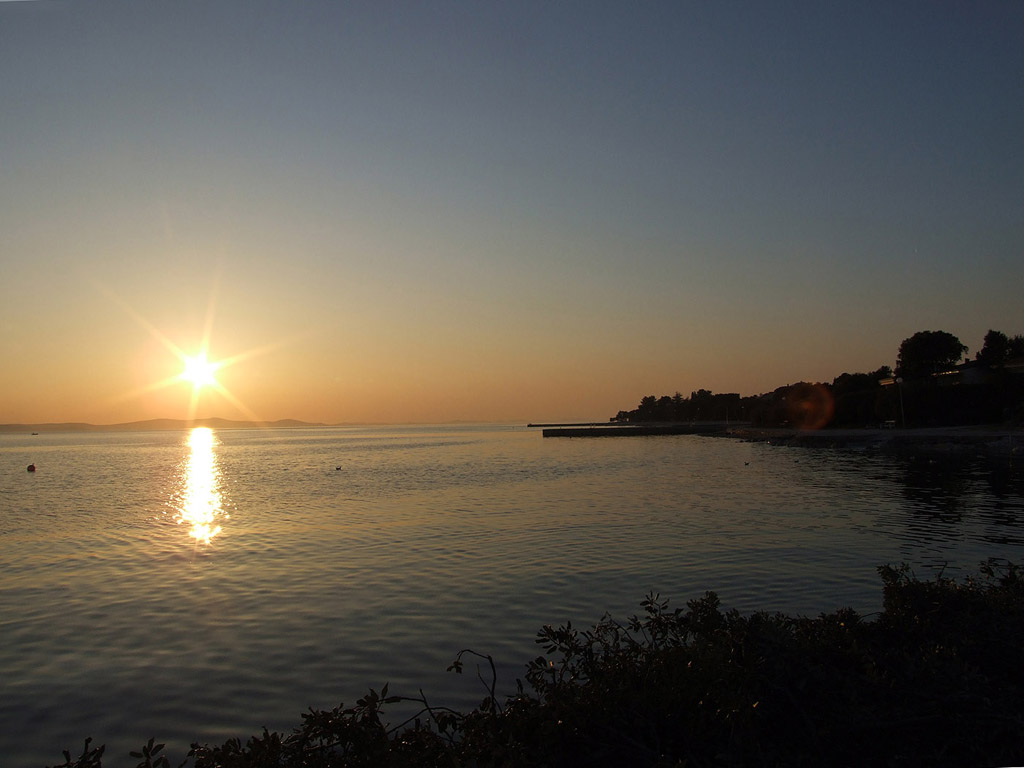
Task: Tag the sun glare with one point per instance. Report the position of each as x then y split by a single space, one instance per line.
197 371
201 503
200 371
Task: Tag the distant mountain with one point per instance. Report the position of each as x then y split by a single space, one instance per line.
153 425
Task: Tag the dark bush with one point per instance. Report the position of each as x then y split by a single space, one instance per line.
937 678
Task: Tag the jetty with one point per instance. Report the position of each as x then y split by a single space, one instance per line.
634 430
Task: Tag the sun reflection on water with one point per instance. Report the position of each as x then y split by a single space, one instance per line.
201 504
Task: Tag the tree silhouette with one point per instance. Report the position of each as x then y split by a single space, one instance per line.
927 353
999 348
990 391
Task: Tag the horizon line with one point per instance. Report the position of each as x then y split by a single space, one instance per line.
169 424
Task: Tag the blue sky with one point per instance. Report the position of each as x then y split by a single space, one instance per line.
496 210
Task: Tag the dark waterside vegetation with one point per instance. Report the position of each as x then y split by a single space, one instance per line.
930 387
935 679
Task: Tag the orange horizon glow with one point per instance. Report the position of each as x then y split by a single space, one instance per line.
198 371
353 371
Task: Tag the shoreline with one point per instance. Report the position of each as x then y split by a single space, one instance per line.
990 439
994 440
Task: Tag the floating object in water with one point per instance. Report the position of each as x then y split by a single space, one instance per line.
31 467
337 468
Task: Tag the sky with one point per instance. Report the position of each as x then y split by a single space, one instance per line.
494 211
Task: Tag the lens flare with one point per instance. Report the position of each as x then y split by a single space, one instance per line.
809 406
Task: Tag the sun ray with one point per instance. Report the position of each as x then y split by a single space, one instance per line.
265 349
246 411
140 391
153 330
198 371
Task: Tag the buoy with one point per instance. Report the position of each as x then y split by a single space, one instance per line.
31 467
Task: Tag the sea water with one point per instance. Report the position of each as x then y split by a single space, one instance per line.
199 585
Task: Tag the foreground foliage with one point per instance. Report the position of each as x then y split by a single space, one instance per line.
937 678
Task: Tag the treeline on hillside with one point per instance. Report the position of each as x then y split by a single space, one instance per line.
932 385
935 679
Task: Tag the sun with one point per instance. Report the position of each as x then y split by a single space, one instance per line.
197 370
200 371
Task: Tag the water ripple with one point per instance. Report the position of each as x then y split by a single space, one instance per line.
352 557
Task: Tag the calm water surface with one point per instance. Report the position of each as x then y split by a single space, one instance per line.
200 585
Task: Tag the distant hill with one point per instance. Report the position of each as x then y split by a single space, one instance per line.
152 425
